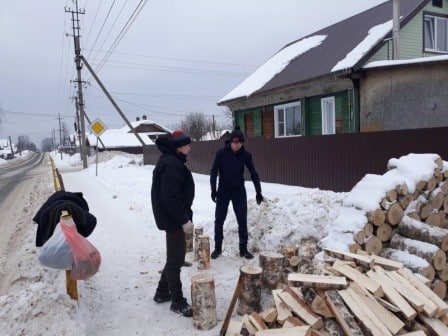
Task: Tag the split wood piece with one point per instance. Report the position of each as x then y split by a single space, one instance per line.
299 308
421 231
415 333
435 325
198 231
394 214
424 280
432 183
248 325
425 210
317 281
272 266
189 239
362 260
376 217
257 321
439 288
434 220
204 252
370 284
445 203
316 302
430 252
368 229
437 201
414 215
344 317
234 328
420 185
405 200
390 321
386 304
393 296
363 313
373 245
269 315
293 331
282 309
410 293
293 321
203 301
383 232
249 299
413 262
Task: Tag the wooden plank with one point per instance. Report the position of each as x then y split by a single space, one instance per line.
294 331
234 328
358 258
363 313
353 274
317 281
435 325
342 314
425 290
248 325
257 321
236 293
415 333
394 297
390 321
301 309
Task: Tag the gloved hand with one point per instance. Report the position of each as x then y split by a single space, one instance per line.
214 195
259 198
188 227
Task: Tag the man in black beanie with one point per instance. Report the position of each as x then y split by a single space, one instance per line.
229 165
172 195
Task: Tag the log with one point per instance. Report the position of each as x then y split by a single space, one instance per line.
376 217
394 214
439 287
344 317
402 189
293 331
432 182
368 229
383 232
434 220
189 239
204 252
373 245
203 301
430 252
391 195
425 210
359 237
411 228
405 200
198 231
413 262
249 299
420 185
443 273
316 302
272 266
437 201
257 321
294 261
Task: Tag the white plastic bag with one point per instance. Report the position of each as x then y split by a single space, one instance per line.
56 252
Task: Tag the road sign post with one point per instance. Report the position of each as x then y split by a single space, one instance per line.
98 128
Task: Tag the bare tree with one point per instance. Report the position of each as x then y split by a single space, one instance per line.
196 125
47 145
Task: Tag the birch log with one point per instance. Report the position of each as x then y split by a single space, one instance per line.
412 228
272 265
204 252
203 301
198 231
249 300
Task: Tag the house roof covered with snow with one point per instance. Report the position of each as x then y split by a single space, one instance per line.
342 47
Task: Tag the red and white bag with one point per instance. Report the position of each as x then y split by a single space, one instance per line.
86 258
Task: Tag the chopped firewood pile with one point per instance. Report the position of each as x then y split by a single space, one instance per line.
356 294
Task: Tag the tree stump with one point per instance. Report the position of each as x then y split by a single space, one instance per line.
249 300
272 265
198 231
203 301
204 252
189 240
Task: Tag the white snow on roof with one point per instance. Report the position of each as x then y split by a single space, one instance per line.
378 64
375 35
273 66
116 138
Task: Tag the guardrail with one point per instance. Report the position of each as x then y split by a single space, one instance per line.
71 285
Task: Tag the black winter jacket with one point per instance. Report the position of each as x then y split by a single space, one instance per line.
230 168
172 190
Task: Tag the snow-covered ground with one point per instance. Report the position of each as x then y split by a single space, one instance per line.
118 299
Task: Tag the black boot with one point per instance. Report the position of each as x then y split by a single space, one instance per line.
244 252
218 250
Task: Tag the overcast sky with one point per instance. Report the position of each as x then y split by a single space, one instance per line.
174 57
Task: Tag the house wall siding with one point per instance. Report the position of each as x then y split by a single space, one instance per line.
411 37
404 98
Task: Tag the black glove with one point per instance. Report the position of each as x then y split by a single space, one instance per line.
214 194
259 198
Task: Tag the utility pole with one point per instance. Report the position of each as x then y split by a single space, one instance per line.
60 135
76 39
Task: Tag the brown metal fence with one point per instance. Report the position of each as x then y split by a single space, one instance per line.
330 162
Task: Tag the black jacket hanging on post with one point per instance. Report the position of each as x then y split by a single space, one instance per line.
48 216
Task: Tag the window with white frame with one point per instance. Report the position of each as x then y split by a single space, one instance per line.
328 115
288 120
436 33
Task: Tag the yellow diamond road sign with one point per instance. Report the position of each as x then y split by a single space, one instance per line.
98 127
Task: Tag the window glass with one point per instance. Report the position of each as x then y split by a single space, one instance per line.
441 36
288 120
429 33
436 33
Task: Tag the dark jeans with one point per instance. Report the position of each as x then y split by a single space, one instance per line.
239 203
175 257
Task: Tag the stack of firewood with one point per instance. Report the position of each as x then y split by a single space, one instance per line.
412 228
357 294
